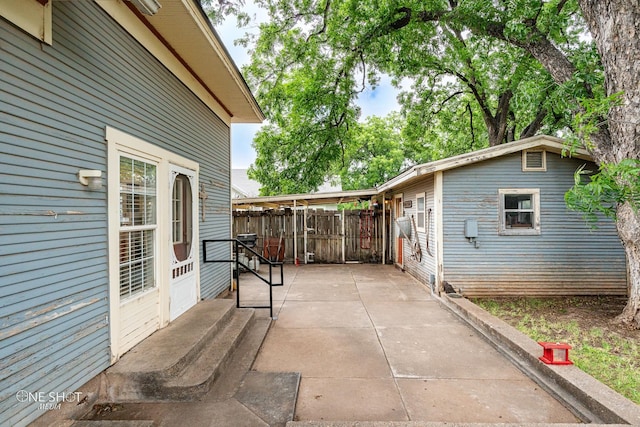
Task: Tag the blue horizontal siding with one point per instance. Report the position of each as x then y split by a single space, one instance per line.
424 268
566 258
56 102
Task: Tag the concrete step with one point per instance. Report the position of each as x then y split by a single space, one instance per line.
197 377
238 396
181 361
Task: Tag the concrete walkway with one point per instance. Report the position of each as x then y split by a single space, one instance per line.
372 344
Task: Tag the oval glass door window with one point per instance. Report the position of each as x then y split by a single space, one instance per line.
182 222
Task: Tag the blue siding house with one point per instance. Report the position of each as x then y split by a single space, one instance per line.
114 163
494 222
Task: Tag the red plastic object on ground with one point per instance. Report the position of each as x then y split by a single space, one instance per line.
555 353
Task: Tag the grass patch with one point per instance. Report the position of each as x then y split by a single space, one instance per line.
610 357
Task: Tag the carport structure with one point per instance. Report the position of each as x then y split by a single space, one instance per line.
300 208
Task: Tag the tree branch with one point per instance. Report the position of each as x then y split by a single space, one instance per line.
325 14
532 128
473 135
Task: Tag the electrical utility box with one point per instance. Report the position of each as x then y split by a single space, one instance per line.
470 228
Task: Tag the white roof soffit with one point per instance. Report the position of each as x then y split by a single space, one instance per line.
186 33
548 143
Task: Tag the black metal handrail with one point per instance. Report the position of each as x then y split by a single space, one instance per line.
236 245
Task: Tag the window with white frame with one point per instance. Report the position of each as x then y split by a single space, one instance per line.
138 226
519 211
421 210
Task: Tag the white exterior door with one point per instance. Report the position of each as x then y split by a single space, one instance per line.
183 284
153 238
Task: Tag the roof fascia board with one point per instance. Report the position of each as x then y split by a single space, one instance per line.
304 198
214 40
141 29
121 13
549 143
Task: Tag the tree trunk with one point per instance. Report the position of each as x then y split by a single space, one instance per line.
629 232
615 25
497 125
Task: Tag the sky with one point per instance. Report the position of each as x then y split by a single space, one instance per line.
378 102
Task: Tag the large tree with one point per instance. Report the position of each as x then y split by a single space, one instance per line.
613 133
520 65
313 59
378 152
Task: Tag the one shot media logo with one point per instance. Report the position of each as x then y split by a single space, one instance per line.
47 401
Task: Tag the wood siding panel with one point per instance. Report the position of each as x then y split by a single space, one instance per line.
139 318
56 102
424 268
567 258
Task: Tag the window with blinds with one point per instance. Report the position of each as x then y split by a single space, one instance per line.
138 226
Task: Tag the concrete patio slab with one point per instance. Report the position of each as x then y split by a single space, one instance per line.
481 401
268 395
372 344
443 352
324 352
377 291
396 314
330 290
349 399
229 413
329 314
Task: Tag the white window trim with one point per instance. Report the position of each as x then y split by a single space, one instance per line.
154 227
118 143
421 226
503 230
543 168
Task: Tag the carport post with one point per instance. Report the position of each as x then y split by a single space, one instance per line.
306 249
384 228
295 233
344 247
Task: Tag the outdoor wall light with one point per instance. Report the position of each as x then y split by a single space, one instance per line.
90 178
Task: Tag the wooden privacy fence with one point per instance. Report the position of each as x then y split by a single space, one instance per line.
322 236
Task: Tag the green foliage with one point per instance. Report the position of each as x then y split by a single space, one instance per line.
376 154
219 10
465 84
592 118
603 192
